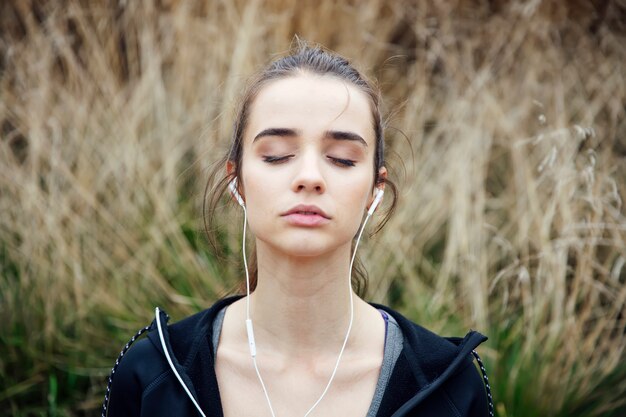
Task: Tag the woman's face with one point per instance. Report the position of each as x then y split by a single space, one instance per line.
308 153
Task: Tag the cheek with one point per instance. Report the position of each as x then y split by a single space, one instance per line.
260 194
255 194
261 183
352 198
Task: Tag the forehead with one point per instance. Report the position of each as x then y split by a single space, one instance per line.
312 103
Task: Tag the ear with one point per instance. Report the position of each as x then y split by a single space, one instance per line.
382 176
230 167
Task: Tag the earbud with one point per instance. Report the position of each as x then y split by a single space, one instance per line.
233 190
377 199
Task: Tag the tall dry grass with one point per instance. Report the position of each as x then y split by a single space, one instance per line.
511 219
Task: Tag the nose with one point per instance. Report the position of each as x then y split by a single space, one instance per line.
308 176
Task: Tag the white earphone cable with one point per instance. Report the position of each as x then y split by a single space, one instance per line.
250 331
169 361
248 319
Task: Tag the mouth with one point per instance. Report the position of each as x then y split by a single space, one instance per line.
306 210
306 216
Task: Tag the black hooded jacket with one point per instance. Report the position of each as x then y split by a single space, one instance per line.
433 376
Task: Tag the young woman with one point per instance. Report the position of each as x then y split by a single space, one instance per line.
306 166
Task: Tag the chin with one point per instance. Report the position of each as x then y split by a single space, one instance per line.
300 246
306 252
305 249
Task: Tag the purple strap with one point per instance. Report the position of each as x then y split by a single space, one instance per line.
386 317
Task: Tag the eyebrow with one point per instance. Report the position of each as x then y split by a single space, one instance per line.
340 135
275 131
330 134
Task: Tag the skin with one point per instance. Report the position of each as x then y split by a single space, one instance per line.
301 305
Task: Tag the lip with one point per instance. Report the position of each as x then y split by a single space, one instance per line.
306 215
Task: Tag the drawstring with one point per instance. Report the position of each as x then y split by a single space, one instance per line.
487 387
105 403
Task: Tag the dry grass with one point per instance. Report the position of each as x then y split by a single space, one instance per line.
511 220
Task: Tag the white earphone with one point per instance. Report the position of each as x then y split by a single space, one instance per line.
233 190
377 199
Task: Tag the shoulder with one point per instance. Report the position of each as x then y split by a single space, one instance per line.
443 365
433 351
142 365
466 391
132 375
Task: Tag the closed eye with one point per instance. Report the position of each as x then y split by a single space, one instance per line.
275 159
342 162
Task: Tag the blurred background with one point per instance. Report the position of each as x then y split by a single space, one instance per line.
506 135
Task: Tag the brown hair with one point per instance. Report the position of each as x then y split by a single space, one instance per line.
302 58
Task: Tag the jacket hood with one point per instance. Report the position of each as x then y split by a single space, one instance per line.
425 363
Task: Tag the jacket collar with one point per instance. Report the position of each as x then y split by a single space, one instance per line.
425 362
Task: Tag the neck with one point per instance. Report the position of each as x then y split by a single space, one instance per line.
301 305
